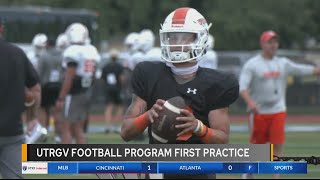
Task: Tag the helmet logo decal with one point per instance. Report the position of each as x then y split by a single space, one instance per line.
202 21
179 17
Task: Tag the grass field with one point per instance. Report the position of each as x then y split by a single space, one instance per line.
297 144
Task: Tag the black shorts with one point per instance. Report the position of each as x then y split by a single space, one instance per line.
113 96
50 94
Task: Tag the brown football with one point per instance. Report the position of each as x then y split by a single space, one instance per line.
163 127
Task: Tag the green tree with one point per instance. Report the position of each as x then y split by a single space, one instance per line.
237 25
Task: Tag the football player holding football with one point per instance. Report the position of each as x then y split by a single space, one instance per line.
207 92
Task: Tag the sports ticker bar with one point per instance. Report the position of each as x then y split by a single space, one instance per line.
146 153
164 167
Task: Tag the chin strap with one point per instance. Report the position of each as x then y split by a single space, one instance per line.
183 70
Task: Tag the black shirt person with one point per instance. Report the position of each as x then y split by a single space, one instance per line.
17 76
112 75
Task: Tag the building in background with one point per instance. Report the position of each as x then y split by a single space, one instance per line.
26 21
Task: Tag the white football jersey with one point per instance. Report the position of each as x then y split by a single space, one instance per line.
209 60
125 58
34 60
153 54
137 58
86 57
94 52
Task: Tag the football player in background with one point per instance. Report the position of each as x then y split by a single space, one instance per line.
80 59
39 43
210 58
62 43
51 73
112 75
147 40
131 46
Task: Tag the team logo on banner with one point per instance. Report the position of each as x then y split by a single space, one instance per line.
34 168
24 168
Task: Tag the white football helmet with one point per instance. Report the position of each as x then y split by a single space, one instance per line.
210 42
114 53
62 41
183 36
147 40
132 42
40 40
88 41
77 33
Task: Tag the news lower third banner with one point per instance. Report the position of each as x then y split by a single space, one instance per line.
164 167
148 152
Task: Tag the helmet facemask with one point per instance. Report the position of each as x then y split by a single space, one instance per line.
179 47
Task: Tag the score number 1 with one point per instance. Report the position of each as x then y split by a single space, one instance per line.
149 167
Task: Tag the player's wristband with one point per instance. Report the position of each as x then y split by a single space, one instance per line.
198 126
205 130
207 137
205 134
28 104
141 122
201 130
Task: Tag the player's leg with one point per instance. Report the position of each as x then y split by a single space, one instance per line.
259 131
56 114
277 135
118 117
258 126
118 112
111 110
119 107
108 111
43 114
66 134
57 125
89 95
10 157
78 114
86 123
79 134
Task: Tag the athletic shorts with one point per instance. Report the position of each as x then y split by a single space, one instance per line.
76 107
113 96
268 128
50 94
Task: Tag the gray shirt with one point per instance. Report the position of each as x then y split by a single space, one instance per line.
266 81
50 68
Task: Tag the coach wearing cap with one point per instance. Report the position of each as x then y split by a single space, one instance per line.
263 83
17 78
